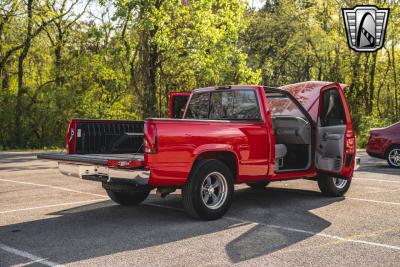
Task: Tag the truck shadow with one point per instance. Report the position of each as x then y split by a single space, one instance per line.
275 213
103 228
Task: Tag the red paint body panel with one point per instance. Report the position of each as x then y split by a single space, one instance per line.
382 138
180 142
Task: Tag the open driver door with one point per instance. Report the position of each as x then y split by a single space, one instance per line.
335 139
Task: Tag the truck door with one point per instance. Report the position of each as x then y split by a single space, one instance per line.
177 104
335 140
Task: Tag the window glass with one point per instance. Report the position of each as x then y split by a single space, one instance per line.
221 105
281 105
246 106
178 106
332 112
198 106
234 105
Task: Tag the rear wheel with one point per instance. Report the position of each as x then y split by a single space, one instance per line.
126 194
259 185
208 193
332 186
393 156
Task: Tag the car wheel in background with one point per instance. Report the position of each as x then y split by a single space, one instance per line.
393 156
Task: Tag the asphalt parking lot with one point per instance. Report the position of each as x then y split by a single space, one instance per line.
49 219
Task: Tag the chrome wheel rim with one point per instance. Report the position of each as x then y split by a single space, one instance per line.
394 157
339 183
214 190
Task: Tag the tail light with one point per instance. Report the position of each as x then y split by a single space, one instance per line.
150 138
350 141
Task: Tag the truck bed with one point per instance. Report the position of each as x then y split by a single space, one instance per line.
97 159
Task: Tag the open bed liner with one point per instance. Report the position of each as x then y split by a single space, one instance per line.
98 159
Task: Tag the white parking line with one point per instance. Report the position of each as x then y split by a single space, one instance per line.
374 201
103 196
290 229
376 180
28 255
51 186
54 205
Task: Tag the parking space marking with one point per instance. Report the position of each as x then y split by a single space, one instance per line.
28 255
374 201
376 180
54 205
344 239
290 229
103 196
52 186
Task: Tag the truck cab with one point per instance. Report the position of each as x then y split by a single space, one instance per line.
217 137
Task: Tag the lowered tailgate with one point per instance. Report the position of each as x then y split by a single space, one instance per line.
101 167
111 160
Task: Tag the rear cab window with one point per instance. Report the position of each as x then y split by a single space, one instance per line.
224 105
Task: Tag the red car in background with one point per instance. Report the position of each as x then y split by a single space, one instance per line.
384 143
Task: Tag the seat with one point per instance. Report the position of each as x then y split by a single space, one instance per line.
280 151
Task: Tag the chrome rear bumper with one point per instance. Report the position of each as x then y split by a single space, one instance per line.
105 174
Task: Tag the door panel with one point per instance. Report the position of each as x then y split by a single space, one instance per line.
332 126
330 146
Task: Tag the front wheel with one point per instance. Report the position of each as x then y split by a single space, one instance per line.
393 156
332 186
208 193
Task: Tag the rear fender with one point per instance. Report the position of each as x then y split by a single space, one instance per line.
222 152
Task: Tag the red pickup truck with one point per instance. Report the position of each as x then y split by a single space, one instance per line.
217 137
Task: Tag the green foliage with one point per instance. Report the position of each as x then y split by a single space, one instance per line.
294 41
367 123
121 59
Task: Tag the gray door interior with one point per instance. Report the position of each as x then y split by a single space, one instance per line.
330 146
331 131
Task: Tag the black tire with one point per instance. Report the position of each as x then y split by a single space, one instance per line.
392 149
193 189
127 199
126 194
258 185
329 186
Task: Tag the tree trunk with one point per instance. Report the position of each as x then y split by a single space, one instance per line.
20 89
371 86
149 72
396 105
150 58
